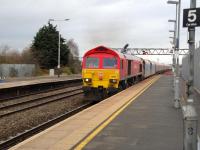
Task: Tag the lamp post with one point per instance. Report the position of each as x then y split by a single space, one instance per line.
177 33
191 140
173 54
173 59
58 20
191 42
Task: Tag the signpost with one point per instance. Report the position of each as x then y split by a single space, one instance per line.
191 17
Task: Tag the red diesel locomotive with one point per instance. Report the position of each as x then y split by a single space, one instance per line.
105 70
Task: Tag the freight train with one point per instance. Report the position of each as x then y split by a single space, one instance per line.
105 70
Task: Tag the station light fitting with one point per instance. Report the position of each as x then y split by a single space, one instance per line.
171 20
51 20
59 19
172 2
58 39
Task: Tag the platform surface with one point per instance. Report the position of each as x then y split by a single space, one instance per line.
149 123
35 80
66 134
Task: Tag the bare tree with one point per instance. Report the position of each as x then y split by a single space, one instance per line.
13 57
27 56
73 46
73 59
3 52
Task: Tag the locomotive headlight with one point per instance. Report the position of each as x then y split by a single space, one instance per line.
113 80
88 80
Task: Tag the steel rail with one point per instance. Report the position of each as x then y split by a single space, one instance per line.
73 81
35 99
53 99
22 136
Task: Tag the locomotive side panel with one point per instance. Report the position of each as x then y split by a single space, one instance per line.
153 68
137 68
147 69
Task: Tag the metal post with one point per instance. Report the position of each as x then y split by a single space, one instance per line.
177 94
174 57
174 64
58 67
191 42
190 123
58 50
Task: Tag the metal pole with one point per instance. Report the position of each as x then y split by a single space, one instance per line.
174 47
191 120
190 126
173 62
178 36
58 67
174 55
58 50
176 94
58 70
191 42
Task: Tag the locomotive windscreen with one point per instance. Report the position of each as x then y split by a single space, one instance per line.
92 62
109 62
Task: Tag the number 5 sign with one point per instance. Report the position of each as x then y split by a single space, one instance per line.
191 17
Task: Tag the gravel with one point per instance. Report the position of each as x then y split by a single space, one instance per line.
22 121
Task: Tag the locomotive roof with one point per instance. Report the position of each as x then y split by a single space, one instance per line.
115 52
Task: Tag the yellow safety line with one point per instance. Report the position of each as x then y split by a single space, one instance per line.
113 116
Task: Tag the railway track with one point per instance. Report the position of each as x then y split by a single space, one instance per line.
26 103
9 107
12 93
22 136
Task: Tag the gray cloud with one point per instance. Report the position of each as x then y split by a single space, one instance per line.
141 23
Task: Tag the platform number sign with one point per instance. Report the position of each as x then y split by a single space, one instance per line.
191 17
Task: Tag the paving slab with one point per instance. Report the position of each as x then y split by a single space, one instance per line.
68 133
149 123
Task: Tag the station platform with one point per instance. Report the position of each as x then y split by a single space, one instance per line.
150 123
11 83
141 117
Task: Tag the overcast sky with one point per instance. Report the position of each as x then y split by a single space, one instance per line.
113 23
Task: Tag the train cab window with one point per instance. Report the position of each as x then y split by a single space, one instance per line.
140 67
109 63
92 62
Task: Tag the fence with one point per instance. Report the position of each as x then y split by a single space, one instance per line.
185 68
16 70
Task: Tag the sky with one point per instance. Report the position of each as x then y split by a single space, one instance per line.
112 23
